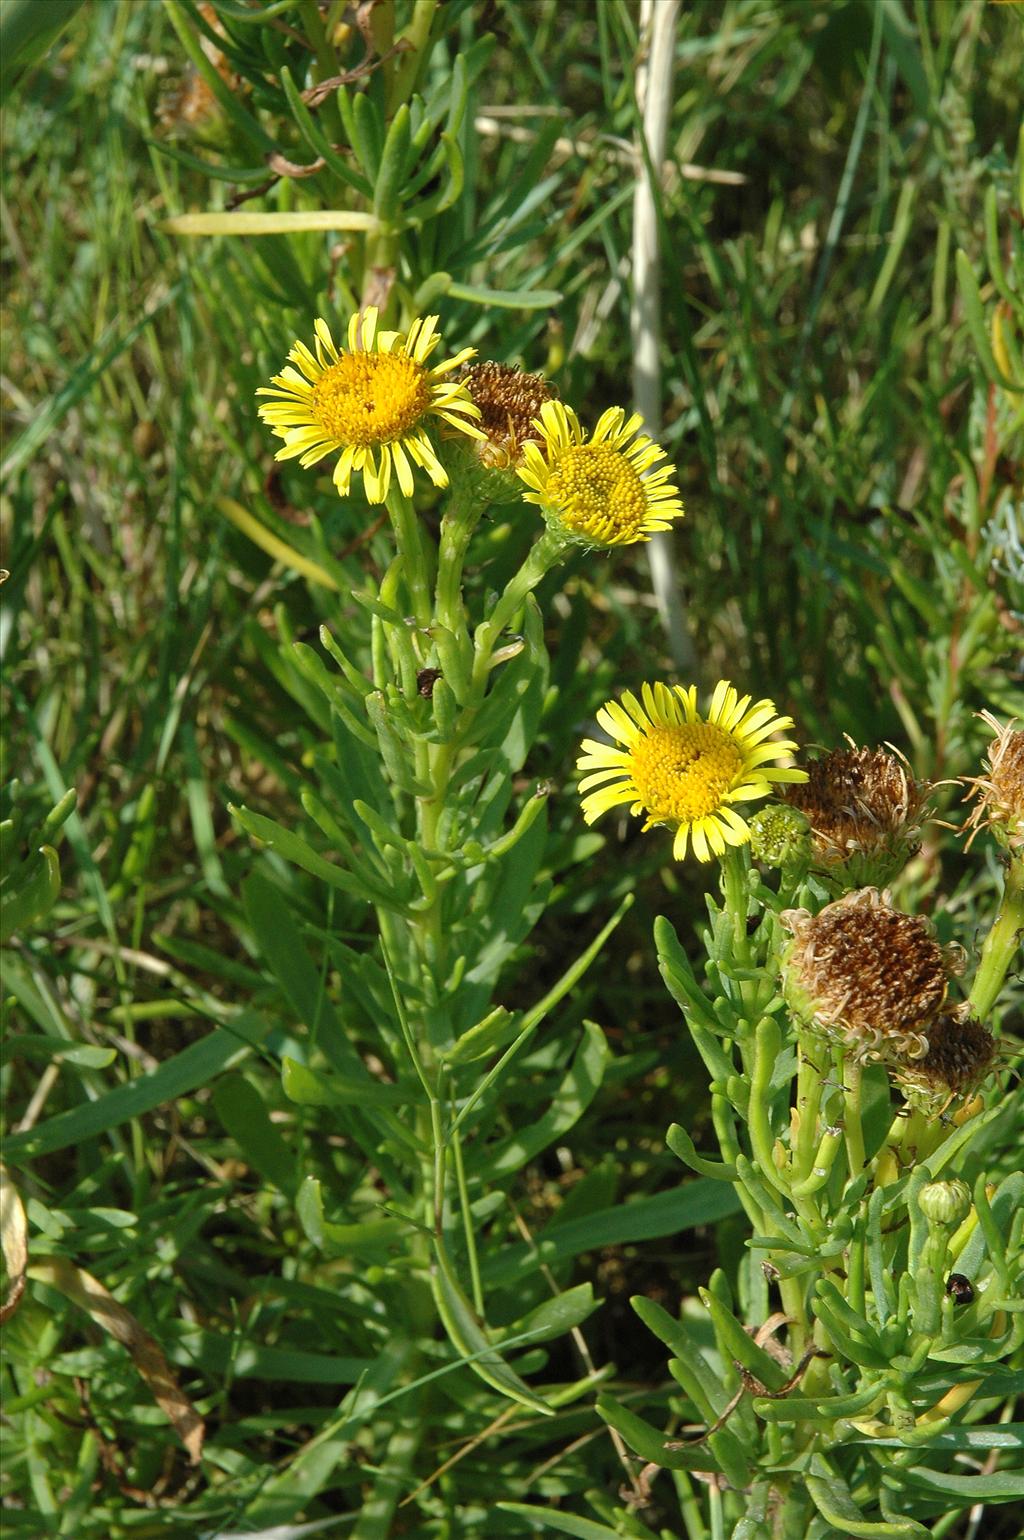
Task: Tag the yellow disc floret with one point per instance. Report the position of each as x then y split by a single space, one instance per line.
682 773
370 398
598 494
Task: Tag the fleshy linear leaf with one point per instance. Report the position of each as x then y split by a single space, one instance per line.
575 1094
32 892
834 1501
648 1442
241 1109
509 299
1000 1486
549 1519
312 1088
555 1316
370 1234
469 1339
975 316
1004 1435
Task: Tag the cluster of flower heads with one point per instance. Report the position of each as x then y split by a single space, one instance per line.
877 980
858 970
377 402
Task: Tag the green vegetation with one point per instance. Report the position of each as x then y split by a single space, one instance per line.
346 1108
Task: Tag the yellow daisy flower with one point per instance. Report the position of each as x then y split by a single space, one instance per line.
682 769
603 490
373 401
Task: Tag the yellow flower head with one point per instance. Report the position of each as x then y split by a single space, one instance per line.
603 490
682 769
373 401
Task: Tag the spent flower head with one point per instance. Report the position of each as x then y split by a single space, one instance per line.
509 402
864 808
373 402
684 770
866 973
998 795
602 491
961 1052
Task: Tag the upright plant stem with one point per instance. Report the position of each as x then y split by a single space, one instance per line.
852 1128
1002 942
416 564
542 556
654 100
460 520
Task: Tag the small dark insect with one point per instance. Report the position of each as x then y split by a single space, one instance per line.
960 1288
426 679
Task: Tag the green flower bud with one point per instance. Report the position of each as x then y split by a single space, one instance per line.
780 835
945 1203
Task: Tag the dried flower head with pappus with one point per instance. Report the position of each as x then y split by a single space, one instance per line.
866 973
998 794
961 1052
864 808
509 402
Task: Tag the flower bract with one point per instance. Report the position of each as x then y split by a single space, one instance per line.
606 490
372 402
683 769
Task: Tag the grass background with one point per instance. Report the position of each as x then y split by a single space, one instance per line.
838 447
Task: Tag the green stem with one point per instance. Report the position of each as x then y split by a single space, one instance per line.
735 894
460 520
810 1077
767 1042
1001 943
381 258
541 558
416 560
467 1225
851 1074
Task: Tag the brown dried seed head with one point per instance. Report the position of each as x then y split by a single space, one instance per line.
867 973
862 803
999 795
960 1054
509 400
